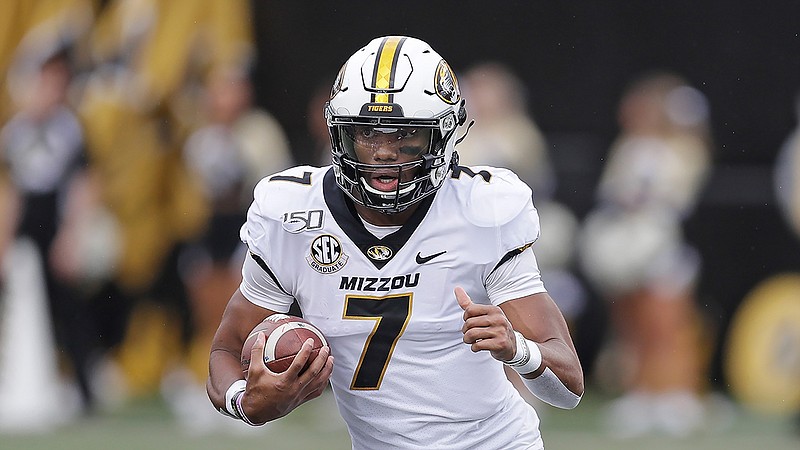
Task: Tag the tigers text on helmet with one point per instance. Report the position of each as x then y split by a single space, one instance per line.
395 90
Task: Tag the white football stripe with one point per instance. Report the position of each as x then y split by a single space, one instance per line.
276 317
272 339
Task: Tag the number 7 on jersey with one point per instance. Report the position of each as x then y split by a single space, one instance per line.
391 315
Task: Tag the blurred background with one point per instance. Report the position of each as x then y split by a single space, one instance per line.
659 137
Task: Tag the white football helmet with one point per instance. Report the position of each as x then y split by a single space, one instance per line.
395 83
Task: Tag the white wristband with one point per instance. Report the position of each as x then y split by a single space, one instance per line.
528 357
230 398
237 404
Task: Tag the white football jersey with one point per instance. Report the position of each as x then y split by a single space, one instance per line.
402 377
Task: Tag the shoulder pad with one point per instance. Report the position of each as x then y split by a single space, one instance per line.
275 195
491 196
287 189
496 198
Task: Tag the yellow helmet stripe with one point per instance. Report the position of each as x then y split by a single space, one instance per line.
385 66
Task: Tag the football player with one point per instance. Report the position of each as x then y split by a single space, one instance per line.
420 273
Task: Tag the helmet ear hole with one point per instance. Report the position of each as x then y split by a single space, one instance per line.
462 113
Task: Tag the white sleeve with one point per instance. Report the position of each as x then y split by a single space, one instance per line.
261 288
518 277
548 388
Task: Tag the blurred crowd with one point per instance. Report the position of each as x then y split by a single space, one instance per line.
129 148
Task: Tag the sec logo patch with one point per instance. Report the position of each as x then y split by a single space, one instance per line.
326 254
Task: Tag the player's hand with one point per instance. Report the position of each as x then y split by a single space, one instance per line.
271 395
486 328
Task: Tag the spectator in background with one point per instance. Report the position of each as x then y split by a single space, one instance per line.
787 184
49 192
504 134
317 142
634 252
139 106
787 176
8 215
235 146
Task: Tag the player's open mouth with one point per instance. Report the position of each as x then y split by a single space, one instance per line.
383 182
382 179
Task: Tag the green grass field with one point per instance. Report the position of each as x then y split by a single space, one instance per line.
148 424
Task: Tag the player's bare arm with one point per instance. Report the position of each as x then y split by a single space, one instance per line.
268 395
538 319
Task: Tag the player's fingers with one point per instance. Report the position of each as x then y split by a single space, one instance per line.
320 381
473 335
470 308
318 363
486 316
488 341
257 351
301 359
482 321
462 298
491 345
325 374
327 371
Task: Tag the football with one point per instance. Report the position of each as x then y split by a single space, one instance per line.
285 336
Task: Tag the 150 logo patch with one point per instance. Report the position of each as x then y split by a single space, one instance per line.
299 221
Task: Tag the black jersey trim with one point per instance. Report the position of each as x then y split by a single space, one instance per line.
266 268
508 256
344 213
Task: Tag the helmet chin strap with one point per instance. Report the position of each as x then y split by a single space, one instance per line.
463 136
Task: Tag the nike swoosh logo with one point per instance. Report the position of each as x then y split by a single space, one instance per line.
423 259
